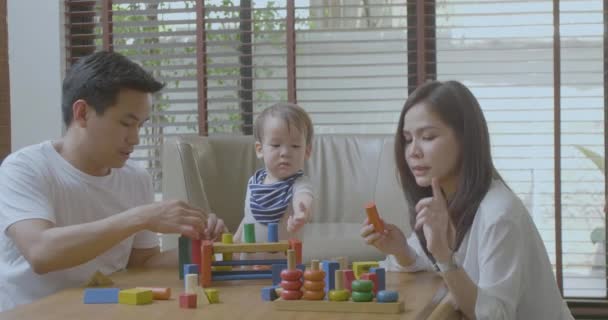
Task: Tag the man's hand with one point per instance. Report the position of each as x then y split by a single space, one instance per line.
174 216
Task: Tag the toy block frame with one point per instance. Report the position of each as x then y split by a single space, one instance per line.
209 249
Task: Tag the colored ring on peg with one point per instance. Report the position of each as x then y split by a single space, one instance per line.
291 275
362 285
338 295
291 294
362 296
313 295
387 296
291 285
314 275
314 285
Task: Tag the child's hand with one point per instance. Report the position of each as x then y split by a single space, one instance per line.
299 218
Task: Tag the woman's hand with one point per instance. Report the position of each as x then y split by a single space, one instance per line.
432 216
391 241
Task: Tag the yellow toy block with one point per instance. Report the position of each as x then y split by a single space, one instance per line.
225 257
98 279
250 247
135 296
361 267
213 295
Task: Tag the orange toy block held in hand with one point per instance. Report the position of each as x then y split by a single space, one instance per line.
373 217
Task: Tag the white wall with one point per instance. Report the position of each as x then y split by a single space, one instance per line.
35 39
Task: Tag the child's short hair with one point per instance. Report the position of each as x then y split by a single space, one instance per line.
291 113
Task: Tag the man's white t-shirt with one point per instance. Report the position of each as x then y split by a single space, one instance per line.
37 183
505 257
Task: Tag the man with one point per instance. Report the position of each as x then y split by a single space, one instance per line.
74 206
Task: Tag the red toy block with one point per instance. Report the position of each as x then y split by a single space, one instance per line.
187 300
296 245
195 249
374 278
349 277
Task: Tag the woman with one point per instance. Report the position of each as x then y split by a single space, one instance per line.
469 225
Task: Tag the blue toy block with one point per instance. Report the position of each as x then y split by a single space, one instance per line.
330 268
191 268
276 272
273 232
269 293
387 296
380 276
253 276
100 295
239 272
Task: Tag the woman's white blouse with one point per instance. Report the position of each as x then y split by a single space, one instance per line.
504 255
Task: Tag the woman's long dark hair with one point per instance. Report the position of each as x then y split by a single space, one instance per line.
458 109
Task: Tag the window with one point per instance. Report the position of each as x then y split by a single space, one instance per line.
537 69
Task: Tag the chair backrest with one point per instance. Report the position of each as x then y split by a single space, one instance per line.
347 171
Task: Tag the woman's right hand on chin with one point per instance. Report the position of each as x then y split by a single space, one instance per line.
391 241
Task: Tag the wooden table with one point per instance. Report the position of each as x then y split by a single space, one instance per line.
239 300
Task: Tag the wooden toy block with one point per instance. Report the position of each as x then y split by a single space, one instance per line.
210 269
269 293
184 254
291 275
373 278
188 270
361 267
241 275
195 251
362 285
206 260
330 267
280 246
344 306
314 285
227 238
252 262
296 246
249 231
373 217
192 268
339 293
349 277
362 291
343 261
100 295
358 296
98 279
191 283
187 300
273 232
381 275
214 267
213 295
158 293
135 296
276 272
385 296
